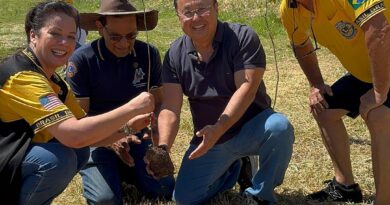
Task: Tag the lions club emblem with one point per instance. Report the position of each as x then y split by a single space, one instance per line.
346 29
71 70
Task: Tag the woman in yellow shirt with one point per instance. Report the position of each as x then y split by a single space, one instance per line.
43 130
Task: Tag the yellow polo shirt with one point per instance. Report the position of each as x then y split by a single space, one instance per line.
336 24
31 96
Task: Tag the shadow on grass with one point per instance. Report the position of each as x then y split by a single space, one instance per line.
232 197
359 141
296 197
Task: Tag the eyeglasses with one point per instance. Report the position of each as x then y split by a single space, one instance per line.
312 33
202 11
117 37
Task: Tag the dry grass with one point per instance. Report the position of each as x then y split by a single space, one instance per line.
310 163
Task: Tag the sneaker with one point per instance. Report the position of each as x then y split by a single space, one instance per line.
245 177
252 200
336 192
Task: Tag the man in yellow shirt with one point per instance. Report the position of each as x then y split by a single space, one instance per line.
357 32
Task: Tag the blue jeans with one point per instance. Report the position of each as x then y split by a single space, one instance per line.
269 135
104 173
47 170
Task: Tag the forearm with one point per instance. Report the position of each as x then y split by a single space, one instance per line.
237 106
109 140
154 123
90 130
378 45
309 64
247 82
168 127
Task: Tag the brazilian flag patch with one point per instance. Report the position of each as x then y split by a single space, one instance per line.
356 3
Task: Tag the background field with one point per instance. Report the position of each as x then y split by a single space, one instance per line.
310 164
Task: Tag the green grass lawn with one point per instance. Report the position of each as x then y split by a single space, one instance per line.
310 163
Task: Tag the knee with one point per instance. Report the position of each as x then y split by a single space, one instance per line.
63 165
280 130
375 117
60 168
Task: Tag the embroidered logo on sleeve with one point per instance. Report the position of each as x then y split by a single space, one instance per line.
50 101
356 3
346 29
71 70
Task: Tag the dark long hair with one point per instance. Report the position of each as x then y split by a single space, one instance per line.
37 16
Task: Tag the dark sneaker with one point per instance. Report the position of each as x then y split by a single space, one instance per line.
336 192
245 177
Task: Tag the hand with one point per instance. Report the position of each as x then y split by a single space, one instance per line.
210 134
139 122
369 101
317 101
152 131
147 134
122 148
151 134
144 101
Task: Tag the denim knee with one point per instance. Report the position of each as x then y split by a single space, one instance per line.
186 194
65 167
47 169
280 131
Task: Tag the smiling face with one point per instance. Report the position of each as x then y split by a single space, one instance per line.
198 19
55 42
119 34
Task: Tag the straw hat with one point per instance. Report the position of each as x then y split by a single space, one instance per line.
119 7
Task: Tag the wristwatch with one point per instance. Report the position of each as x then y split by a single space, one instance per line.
127 130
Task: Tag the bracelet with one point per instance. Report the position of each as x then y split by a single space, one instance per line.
127 130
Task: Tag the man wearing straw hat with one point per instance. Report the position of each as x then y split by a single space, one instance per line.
103 75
